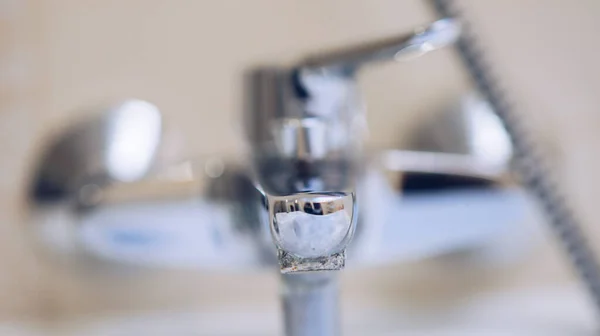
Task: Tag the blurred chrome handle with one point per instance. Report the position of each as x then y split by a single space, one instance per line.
437 35
304 120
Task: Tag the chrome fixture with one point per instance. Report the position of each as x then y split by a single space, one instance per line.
98 195
306 126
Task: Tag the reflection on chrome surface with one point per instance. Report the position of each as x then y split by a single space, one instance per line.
311 230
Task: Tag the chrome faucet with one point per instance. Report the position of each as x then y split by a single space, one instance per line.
295 203
306 126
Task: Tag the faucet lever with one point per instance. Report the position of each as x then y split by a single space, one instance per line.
437 35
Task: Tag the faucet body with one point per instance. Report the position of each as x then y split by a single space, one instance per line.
306 126
305 134
294 204
304 130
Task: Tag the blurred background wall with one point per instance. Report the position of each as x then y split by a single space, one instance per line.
58 57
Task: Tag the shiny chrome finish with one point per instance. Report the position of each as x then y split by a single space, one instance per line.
98 194
437 35
118 144
310 302
468 127
305 120
306 125
311 230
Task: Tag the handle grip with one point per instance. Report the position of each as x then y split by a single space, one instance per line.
439 34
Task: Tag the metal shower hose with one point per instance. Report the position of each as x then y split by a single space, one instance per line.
528 163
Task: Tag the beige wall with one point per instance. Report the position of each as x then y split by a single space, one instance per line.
58 56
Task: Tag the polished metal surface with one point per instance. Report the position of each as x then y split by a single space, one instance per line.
98 194
306 125
437 35
117 144
312 230
310 304
468 127
307 120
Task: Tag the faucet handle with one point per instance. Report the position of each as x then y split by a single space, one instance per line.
313 110
437 35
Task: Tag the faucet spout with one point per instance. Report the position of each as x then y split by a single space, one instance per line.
311 230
